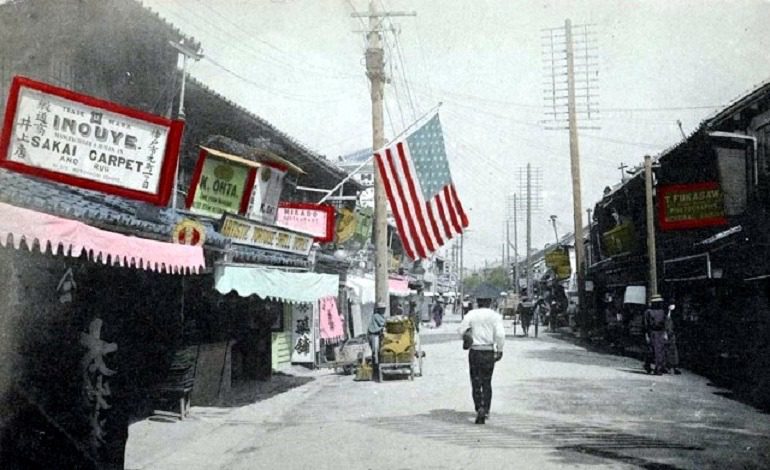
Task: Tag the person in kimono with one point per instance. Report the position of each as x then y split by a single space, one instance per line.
672 352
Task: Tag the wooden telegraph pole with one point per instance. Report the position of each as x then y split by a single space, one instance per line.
651 253
577 206
375 71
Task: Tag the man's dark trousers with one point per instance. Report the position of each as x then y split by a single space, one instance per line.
482 364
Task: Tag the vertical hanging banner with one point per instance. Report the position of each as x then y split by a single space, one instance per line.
303 333
268 185
75 139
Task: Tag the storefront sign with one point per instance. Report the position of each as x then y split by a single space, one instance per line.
189 232
249 232
303 332
558 261
268 184
83 141
346 225
219 186
620 239
686 206
314 219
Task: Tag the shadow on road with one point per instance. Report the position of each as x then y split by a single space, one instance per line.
572 441
573 356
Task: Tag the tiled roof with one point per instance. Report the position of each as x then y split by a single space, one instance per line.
121 215
304 157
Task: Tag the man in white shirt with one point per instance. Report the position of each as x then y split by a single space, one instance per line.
486 327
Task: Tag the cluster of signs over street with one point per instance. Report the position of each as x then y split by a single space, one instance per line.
83 141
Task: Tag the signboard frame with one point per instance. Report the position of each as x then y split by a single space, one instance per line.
169 158
249 225
327 209
203 156
665 224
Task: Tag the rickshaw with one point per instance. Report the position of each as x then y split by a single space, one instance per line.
398 351
525 311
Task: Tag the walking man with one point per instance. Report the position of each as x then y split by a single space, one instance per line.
488 335
655 335
438 313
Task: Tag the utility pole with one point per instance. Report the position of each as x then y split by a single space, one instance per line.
590 254
562 62
529 231
577 206
651 252
375 70
515 246
195 54
508 249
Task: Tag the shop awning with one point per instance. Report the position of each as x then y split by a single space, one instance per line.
363 287
399 287
270 283
74 238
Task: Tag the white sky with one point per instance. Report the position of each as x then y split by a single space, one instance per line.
300 66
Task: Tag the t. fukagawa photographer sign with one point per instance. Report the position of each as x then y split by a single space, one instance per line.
83 141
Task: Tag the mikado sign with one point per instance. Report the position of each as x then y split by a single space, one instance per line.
83 141
315 219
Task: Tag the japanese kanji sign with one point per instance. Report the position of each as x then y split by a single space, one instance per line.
83 141
303 337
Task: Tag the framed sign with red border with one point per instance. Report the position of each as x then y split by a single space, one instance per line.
315 219
688 206
79 140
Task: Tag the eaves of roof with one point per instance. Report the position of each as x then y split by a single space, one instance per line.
316 160
125 216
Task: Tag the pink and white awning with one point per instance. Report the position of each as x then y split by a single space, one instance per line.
74 238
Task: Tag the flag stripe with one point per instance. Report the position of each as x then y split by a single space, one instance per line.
393 206
433 224
452 213
415 200
463 216
408 215
442 215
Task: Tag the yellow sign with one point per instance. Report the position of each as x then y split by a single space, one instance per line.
558 260
620 239
189 232
346 225
250 232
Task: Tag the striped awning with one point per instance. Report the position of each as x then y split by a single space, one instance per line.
72 238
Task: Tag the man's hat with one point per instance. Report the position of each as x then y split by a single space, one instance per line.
656 298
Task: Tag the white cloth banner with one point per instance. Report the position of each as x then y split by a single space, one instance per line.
303 333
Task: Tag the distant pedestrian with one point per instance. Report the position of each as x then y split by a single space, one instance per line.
655 336
672 352
376 325
438 313
488 335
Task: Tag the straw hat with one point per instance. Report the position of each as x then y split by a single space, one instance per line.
656 298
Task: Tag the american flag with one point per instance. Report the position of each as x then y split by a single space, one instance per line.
415 173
